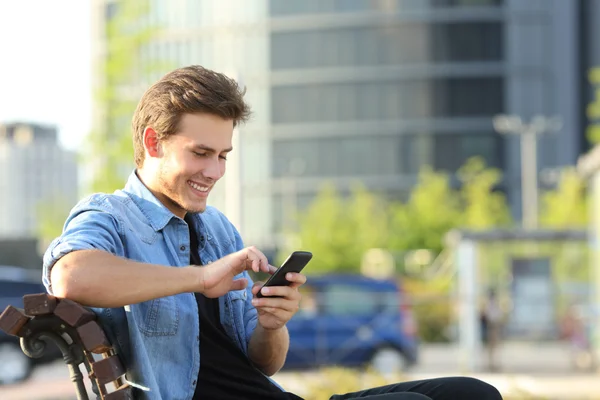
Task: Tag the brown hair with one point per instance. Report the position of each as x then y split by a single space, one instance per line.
188 90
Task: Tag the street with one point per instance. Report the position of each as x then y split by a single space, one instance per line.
536 369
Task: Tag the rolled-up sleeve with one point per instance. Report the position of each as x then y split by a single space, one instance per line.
83 230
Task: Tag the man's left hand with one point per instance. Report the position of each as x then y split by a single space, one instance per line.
275 312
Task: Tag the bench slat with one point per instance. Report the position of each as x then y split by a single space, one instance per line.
73 313
12 320
39 304
93 338
125 392
108 369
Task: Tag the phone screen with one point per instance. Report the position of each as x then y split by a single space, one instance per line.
294 263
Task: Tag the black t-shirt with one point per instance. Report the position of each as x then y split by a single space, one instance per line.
225 371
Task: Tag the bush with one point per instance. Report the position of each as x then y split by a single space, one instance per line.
432 307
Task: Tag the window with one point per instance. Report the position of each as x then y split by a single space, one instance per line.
466 3
396 44
110 10
415 151
384 155
344 300
452 150
447 97
286 7
338 157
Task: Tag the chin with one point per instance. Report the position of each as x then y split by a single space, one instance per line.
196 208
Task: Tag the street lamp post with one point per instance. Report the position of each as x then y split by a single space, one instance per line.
512 124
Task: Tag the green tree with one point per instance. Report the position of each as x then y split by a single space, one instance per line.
109 145
567 205
432 210
121 72
593 108
51 216
339 230
483 206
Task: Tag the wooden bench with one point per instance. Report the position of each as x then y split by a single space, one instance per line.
74 329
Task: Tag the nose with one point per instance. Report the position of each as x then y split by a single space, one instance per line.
214 170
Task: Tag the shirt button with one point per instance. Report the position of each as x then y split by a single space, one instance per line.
182 248
193 383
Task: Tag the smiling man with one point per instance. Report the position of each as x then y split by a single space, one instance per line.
168 275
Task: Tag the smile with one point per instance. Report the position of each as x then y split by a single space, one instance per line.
198 187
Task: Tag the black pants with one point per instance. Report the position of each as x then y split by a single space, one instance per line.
452 388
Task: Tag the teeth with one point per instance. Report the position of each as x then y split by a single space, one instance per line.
197 187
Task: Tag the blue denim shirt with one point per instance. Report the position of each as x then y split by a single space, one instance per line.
157 340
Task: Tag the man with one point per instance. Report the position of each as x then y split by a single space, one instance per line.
185 331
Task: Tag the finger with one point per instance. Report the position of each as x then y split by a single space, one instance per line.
251 260
281 291
279 303
255 264
295 278
240 261
274 311
272 269
239 284
237 262
256 287
263 262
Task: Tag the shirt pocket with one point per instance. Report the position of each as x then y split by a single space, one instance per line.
234 310
158 317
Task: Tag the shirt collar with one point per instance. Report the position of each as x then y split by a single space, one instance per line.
157 214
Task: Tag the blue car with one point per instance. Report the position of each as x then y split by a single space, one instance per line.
352 321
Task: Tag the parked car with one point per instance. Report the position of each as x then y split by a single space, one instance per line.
15 366
352 320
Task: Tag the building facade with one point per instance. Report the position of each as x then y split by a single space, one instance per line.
35 171
371 91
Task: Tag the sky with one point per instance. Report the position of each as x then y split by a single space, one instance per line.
45 65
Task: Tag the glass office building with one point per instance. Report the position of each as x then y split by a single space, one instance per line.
372 90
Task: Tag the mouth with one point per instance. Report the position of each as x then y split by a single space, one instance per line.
200 189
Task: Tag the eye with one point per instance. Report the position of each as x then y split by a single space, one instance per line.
199 154
223 158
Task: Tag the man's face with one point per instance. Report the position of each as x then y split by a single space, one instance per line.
192 161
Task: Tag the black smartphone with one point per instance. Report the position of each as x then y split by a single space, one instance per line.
294 263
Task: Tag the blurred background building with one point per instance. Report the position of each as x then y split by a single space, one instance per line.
347 90
34 169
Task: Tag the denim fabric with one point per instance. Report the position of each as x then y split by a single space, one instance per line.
157 340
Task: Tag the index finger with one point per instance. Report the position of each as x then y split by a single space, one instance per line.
263 263
272 269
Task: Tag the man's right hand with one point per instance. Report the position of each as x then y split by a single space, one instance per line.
217 278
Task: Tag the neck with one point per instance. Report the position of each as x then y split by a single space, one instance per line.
148 179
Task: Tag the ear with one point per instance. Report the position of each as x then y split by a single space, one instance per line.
151 143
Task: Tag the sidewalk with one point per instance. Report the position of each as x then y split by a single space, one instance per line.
513 387
534 371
